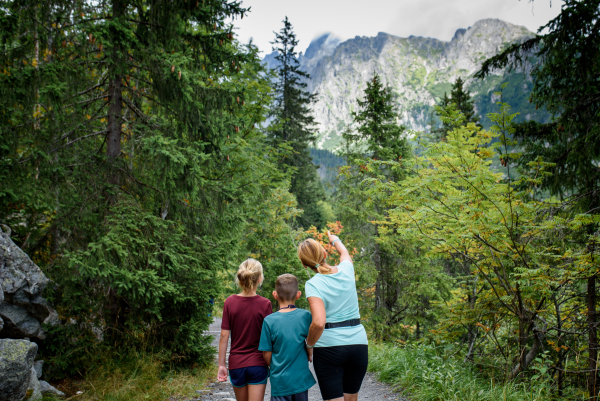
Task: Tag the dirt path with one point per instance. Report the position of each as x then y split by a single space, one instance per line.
371 390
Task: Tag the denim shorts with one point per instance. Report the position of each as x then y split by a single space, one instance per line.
251 375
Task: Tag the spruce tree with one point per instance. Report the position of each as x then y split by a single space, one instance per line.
130 131
462 101
294 127
392 266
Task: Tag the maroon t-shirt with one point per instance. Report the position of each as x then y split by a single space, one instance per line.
244 316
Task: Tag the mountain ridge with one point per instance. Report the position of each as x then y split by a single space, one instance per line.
418 69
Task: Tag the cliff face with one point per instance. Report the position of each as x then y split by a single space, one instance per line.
419 70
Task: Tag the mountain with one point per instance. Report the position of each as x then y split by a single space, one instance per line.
418 69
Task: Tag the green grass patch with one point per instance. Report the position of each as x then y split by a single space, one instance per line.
423 374
136 377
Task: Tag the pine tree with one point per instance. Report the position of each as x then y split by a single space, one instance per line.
130 131
294 127
392 265
462 102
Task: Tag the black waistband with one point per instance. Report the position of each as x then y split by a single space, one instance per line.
345 323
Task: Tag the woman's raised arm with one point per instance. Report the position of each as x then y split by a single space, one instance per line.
337 244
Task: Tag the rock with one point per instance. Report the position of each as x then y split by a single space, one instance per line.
22 307
16 368
19 323
33 392
46 388
37 365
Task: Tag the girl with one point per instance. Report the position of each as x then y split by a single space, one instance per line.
243 316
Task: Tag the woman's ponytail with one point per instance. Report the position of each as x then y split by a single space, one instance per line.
249 274
312 255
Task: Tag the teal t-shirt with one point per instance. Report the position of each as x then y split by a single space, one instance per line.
283 334
338 292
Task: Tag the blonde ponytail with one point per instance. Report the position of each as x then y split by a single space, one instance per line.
249 274
312 255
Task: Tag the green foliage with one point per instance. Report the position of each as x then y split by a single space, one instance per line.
294 127
565 83
397 286
425 373
462 102
130 131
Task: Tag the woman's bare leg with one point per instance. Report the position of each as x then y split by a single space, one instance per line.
350 397
256 392
241 393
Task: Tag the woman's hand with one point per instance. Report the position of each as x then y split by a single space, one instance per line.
222 374
339 247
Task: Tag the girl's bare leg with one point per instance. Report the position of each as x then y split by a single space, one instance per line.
256 392
241 393
350 397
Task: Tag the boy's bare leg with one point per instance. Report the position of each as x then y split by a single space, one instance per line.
256 392
338 399
241 393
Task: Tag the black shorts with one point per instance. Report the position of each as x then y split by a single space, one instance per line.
340 370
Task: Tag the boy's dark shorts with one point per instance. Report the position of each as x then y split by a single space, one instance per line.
294 397
251 375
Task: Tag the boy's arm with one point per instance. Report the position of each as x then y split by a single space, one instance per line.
223 341
268 355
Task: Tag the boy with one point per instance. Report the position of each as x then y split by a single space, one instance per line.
282 342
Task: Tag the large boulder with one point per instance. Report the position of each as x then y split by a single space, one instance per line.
22 307
16 368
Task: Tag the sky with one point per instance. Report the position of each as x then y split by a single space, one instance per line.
349 18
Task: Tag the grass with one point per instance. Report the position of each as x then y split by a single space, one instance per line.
423 375
136 378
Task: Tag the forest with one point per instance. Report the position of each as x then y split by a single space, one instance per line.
145 152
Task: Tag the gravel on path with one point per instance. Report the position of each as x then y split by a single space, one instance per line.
371 390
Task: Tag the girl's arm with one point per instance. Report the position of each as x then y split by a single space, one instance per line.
223 341
267 355
317 310
344 254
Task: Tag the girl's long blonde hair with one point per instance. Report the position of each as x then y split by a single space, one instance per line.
249 274
312 255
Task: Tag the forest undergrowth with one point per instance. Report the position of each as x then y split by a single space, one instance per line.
423 372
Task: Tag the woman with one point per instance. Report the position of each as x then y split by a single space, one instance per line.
340 342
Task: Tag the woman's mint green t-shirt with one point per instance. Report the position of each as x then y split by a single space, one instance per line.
338 292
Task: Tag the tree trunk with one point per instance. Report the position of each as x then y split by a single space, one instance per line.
115 95
592 339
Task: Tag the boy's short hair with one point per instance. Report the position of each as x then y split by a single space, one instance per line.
286 287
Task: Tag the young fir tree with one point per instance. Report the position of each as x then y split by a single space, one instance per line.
564 67
128 129
463 102
392 265
294 127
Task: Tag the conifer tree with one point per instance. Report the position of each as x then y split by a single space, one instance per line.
294 127
392 265
463 102
565 81
130 131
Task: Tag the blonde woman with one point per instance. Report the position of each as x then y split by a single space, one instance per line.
243 316
336 338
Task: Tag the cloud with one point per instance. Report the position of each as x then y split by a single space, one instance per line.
349 18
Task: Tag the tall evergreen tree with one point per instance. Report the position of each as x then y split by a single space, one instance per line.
565 67
294 127
128 129
463 102
393 266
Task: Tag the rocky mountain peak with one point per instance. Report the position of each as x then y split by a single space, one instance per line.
418 69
